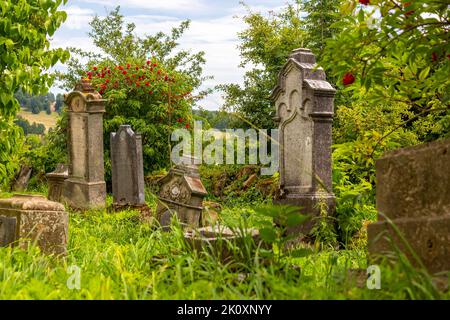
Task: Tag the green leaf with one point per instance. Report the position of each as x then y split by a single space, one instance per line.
424 73
300 253
268 235
296 219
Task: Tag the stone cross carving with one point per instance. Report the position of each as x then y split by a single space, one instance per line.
127 167
304 113
85 188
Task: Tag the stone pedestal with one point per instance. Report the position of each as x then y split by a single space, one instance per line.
413 191
26 219
56 181
127 168
85 188
304 113
181 193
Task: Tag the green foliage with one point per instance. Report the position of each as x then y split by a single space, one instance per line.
33 103
400 57
148 83
24 56
266 44
318 23
214 119
29 128
121 258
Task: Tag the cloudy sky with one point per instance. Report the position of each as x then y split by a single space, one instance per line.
214 28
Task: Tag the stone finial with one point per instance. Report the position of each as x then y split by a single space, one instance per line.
303 55
84 86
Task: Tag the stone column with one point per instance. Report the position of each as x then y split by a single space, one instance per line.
304 113
85 188
127 168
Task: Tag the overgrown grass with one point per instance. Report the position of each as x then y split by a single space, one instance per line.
122 258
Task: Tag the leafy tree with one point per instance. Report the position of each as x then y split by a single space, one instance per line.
318 23
147 81
265 47
28 128
397 53
24 57
59 102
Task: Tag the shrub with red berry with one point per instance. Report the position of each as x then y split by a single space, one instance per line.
151 98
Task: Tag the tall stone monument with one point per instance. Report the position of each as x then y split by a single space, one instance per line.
127 168
85 188
304 113
413 192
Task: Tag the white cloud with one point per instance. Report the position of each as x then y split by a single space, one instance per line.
217 37
77 18
173 5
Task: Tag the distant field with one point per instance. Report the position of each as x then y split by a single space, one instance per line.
49 121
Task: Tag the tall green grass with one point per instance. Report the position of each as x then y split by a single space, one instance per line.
122 258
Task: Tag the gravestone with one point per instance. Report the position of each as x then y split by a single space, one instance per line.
28 219
56 181
413 192
127 168
85 188
304 113
181 193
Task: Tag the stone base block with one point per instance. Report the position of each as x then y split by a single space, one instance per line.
84 196
429 237
26 219
309 205
188 216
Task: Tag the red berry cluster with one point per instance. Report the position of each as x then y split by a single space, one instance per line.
348 79
146 79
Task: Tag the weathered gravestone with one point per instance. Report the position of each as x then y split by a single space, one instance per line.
56 181
413 191
85 188
304 113
127 168
27 219
181 193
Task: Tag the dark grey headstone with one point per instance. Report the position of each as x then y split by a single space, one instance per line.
127 167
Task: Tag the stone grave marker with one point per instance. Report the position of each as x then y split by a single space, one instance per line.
25 219
127 168
85 188
181 193
413 191
304 113
56 181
